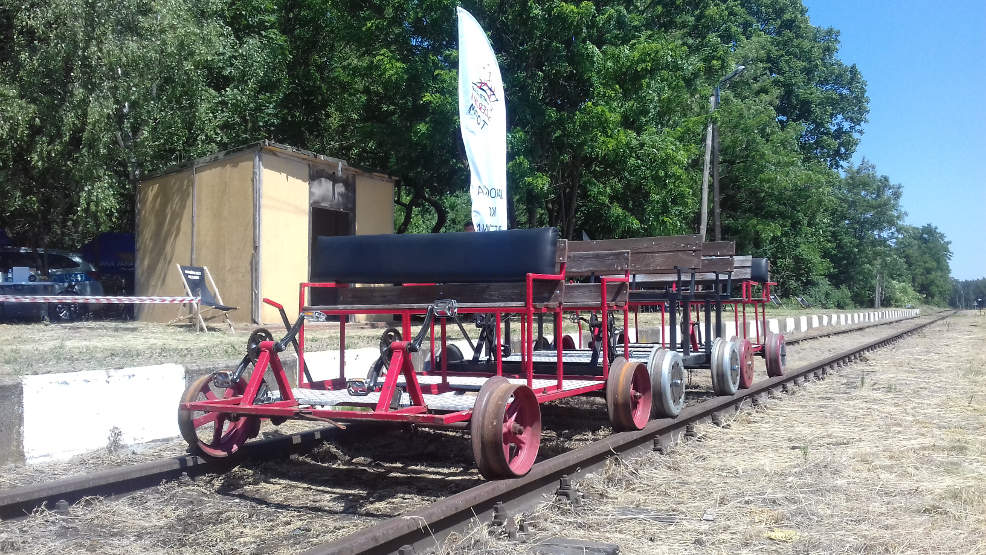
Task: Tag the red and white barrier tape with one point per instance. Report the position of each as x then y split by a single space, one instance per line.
94 299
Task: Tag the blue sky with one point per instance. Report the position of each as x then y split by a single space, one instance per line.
925 68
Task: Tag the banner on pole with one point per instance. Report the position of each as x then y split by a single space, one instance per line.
483 117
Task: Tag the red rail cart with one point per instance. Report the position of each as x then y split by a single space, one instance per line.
692 282
495 278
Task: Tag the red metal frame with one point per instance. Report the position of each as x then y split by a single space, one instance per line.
402 365
747 297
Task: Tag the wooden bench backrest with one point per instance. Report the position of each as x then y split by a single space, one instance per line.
650 254
581 264
719 248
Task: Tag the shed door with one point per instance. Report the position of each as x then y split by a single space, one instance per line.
325 221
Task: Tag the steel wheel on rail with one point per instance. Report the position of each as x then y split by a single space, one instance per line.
725 367
667 372
746 362
567 343
775 353
215 434
505 429
628 395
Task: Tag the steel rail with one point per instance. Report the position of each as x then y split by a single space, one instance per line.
21 501
425 528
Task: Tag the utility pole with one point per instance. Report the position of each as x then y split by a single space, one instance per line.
876 300
704 219
712 138
715 178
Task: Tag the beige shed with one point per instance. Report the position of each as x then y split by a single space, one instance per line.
250 215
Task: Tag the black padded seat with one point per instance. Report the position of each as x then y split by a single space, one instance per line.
467 257
760 270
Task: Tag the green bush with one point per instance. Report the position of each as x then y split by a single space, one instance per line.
900 293
823 294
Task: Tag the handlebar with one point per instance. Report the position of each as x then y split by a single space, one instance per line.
283 343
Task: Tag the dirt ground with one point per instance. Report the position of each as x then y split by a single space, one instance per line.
286 505
887 455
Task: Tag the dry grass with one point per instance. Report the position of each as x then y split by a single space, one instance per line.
96 345
278 506
287 505
886 456
568 423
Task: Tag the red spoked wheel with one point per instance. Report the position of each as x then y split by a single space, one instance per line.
567 343
215 434
775 352
506 429
628 395
746 362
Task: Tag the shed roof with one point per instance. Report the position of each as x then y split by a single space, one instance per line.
270 146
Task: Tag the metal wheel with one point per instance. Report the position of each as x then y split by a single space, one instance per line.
567 343
746 362
258 336
505 428
628 395
775 352
454 355
725 367
388 337
667 373
215 434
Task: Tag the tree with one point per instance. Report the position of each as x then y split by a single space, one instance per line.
813 88
926 253
866 217
775 204
98 94
965 292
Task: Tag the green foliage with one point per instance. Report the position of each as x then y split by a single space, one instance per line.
99 94
925 253
865 218
607 106
964 293
900 293
824 295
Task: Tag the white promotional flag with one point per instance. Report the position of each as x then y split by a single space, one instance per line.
482 112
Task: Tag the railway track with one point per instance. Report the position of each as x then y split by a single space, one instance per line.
18 502
497 501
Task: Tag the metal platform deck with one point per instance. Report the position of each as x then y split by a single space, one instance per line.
639 352
463 398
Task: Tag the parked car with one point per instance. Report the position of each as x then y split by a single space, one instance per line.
28 271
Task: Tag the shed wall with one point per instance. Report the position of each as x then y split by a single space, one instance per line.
374 205
284 233
224 229
164 238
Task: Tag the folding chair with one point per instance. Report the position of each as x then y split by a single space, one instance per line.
193 277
